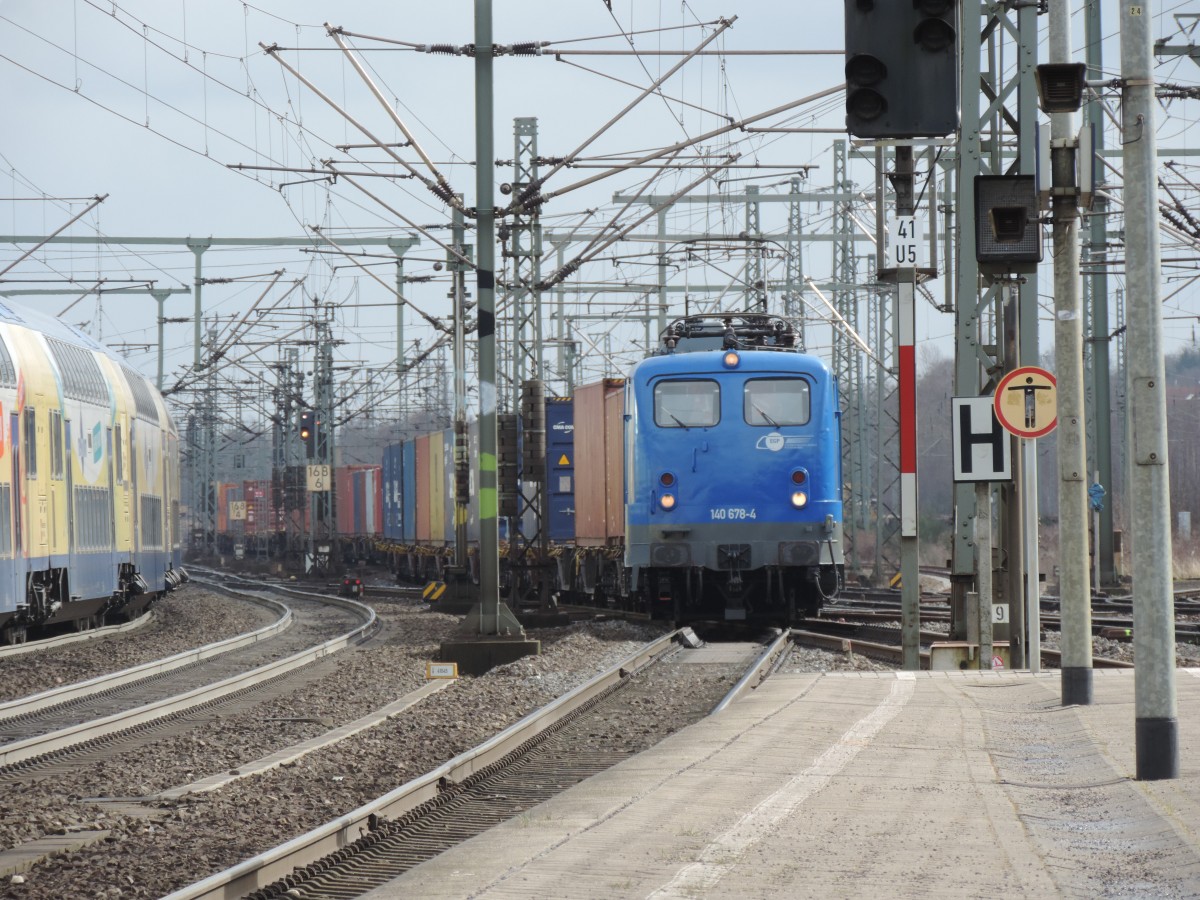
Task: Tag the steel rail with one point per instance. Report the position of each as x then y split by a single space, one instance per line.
63 639
19 751
99 684
758 673
267 868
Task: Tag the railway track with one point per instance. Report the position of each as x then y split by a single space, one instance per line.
877 642
581 733
8 651
59 728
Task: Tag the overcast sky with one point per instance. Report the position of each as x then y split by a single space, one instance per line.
151 102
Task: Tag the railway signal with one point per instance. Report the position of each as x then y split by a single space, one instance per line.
901 68
308 433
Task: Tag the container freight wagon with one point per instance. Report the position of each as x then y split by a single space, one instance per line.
416 551
263 518
358 493
231 516
595 566
706 487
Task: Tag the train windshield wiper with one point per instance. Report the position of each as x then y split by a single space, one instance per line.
675 419
762 413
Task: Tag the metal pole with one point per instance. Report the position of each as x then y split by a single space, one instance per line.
1010 499
1096 540
198 248
489 533
983 547
161 297
461 442
1156 719
1033 588
1075 589
1101 376
910 577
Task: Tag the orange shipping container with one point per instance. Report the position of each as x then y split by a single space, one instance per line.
614 463
343 499
228 493
599 410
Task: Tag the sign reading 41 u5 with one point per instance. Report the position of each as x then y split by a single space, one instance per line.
904 243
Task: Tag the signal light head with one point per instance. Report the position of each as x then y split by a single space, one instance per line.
934 35
865 69
666 479
867 104
799 476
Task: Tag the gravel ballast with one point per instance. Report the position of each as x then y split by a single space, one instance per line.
154 847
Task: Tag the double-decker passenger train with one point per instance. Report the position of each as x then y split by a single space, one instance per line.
89 480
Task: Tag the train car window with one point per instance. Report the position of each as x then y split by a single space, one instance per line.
687 403
81 375
56 444
773 402
152 525
6 531
30 434
120 455
8 372
143 401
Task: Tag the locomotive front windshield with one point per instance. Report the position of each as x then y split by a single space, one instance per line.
776 401
687 403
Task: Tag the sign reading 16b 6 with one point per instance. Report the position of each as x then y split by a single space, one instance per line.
319 478
904 242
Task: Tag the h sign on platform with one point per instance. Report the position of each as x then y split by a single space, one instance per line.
982 449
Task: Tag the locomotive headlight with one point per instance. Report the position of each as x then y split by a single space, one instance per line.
667 501
731 359
799 499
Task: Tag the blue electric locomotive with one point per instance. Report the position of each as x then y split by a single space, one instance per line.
733 484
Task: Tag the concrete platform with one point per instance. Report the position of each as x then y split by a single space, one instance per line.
872 785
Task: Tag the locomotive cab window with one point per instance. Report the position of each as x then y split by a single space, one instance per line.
773 402
693 403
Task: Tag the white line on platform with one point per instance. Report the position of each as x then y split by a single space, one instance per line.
720 855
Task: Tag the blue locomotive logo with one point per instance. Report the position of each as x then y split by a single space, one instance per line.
776 441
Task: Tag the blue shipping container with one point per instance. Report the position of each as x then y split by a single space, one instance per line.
392 510
560 467
408 492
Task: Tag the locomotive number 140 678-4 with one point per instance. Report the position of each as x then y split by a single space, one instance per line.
725 513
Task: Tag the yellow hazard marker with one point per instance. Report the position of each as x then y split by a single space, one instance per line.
895 582
563 461
433 591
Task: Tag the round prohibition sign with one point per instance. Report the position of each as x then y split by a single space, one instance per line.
1026 402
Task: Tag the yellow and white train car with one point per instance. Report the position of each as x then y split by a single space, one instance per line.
89 480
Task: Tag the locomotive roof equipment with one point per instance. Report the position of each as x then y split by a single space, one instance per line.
727 331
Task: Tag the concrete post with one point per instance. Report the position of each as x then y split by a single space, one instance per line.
1157 725
1068 360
